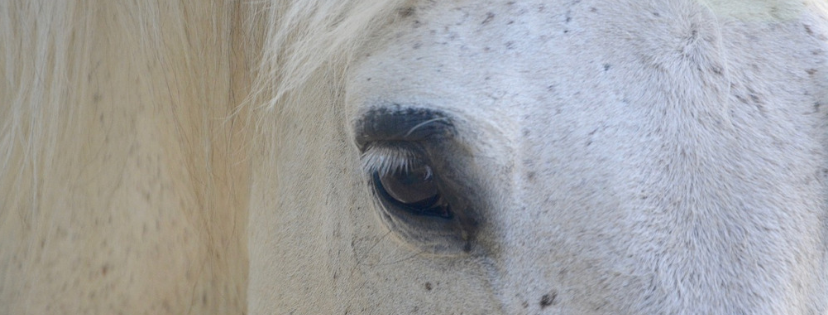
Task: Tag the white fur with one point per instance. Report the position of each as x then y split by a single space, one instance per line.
626 157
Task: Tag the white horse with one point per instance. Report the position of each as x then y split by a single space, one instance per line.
434 157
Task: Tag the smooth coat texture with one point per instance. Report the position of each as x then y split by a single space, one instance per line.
616 157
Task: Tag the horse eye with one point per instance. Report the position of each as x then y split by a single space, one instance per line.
413 190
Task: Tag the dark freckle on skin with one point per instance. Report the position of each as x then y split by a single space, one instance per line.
549 299
811 71
808 29
656 14
428 286
607 67
417 45
593 10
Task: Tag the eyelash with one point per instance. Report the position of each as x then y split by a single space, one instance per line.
385 160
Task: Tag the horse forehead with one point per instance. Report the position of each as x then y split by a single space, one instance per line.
508 60
508 49
442 53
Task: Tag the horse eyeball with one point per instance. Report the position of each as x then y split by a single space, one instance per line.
414 187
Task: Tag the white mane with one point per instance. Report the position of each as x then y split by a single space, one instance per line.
305 36
260 50
81 85
43 54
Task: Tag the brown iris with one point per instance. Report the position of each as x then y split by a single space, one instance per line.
414 190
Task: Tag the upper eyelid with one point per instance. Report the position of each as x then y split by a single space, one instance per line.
406 124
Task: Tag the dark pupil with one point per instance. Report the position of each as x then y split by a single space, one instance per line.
414 187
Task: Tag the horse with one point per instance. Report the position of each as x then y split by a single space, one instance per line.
433 157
